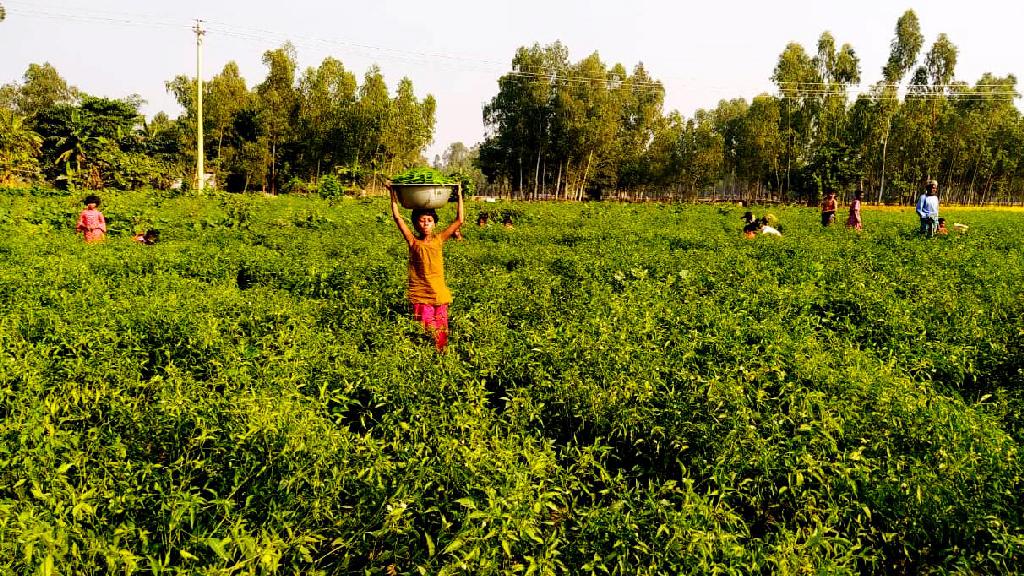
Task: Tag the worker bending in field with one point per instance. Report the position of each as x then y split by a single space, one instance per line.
754 226
147 238
428 293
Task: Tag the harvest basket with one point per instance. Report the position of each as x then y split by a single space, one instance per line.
413 196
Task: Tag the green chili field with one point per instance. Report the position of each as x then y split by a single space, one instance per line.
629 389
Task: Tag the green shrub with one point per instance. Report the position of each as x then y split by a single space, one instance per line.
297 186
628 390
329 187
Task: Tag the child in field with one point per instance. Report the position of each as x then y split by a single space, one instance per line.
482 220
942 227
91 223
854 220
428 293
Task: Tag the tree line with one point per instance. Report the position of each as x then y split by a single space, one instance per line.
555 129
567 130
284 134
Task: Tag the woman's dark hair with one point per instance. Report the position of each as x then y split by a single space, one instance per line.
858 194
754 225
91 199
151 236
748 217
417 212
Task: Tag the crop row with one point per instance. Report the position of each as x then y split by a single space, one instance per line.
629 389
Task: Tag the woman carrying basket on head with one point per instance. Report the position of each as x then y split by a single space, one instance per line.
428 293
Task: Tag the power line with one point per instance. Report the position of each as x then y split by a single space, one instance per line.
261 36
553 75
908 96
87 18
263 33
427 58
887 85
62 7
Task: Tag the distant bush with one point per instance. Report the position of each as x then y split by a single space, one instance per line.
32 190
297 186
330 187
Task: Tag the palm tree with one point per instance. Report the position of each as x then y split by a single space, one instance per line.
75 146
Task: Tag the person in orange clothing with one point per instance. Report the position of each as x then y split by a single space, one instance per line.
428 293
91 223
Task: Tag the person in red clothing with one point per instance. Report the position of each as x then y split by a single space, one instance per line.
828 209
91 223
428 293
854 220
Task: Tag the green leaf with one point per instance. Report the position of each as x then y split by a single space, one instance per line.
454 545
430 545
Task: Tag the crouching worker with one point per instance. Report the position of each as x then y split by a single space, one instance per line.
148 238
754 226
428 293
751 225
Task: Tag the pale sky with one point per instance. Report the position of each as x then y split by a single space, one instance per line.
457 49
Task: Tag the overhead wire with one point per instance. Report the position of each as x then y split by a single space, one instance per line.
429 58
262 35
30 9
553 75
883 85
93 12
907 96
419 56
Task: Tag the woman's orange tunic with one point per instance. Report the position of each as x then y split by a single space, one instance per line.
426 273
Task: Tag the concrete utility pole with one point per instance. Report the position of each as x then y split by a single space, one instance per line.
200 170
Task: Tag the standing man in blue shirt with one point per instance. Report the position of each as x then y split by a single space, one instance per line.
928 208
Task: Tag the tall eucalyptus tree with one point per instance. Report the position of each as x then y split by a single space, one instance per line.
904 49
